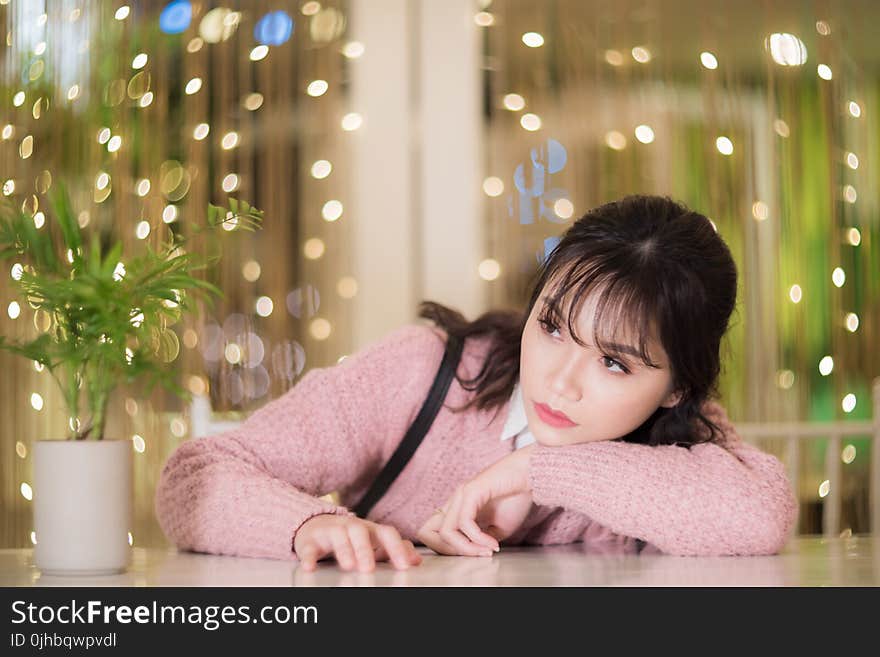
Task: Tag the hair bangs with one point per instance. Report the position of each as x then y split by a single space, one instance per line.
624 309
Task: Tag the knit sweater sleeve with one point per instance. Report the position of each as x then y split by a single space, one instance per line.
722 498
248 490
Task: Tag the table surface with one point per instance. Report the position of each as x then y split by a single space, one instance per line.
805 561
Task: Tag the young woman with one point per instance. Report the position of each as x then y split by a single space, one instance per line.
604 427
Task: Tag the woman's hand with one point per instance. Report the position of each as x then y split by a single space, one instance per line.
353 541
498 499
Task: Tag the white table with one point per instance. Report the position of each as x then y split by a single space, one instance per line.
806 561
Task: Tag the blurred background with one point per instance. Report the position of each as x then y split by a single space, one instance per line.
436 149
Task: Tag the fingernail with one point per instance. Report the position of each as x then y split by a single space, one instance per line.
497 548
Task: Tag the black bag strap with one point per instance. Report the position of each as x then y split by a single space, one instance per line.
419 427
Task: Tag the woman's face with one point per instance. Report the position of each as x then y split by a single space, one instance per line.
605 396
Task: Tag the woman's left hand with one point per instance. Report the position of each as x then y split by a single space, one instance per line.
499 498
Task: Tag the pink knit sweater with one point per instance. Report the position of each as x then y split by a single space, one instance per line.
247 491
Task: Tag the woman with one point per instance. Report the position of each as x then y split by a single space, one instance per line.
643 457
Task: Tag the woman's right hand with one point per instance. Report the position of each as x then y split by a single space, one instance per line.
354 542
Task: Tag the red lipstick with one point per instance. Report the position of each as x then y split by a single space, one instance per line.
553 418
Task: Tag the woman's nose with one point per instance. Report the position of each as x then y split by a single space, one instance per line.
566 380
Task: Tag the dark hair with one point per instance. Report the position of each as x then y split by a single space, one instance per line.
655 264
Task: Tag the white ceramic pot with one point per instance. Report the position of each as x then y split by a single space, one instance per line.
82 496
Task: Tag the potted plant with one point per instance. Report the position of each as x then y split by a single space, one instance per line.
103 319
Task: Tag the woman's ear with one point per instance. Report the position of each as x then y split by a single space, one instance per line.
672 399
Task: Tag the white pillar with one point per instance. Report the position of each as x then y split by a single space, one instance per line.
417 162
452 162
381 173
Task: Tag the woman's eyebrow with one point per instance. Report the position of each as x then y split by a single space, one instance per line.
618 348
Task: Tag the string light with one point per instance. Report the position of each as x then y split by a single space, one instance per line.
533 39
708 60
347 287
826 365
614 57
641 54
838 277
493 186
353 49
724 145
311 8
615 140
760 211
563 208
351 121
251 271
230 182
484 19
314 248
824 71
795 293
332 210
530 122
253 102
489 269
852 322
786 49
229 141
321 169
259 53
201 131
264 306
644 133
514 102
317 88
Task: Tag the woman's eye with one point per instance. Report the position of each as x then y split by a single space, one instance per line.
606 360
548 326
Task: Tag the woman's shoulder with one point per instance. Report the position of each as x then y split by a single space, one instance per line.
425 343
405 341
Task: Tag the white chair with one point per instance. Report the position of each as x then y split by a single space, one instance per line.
795 433
203 420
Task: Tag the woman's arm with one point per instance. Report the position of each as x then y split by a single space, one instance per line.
706 500
248 490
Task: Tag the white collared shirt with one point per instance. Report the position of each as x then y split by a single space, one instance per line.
517 423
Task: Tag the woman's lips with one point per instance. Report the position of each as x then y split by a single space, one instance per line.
553 419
